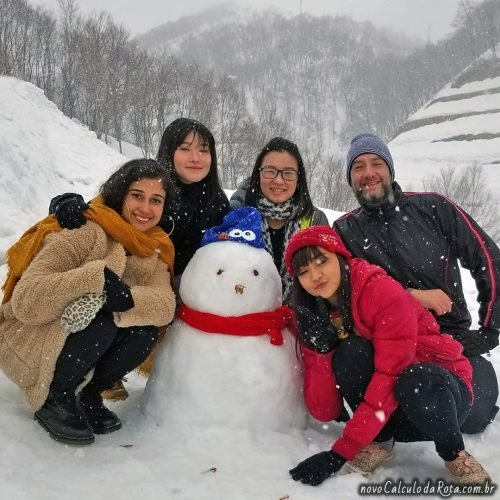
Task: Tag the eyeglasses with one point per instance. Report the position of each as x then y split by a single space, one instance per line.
271 173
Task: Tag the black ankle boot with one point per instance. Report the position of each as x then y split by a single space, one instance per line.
101 419
63 420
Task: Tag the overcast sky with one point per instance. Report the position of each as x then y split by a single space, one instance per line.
420 18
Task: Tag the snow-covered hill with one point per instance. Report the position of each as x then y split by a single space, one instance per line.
458 128
171 36
42 153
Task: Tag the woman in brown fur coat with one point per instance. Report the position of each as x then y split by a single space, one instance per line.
86 300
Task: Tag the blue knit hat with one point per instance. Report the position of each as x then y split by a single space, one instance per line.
368 143
242 225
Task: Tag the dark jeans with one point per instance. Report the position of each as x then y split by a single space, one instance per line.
485 387
433 402
112 351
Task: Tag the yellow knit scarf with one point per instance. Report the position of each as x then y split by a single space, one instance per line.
141 243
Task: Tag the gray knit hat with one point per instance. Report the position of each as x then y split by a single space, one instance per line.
368 143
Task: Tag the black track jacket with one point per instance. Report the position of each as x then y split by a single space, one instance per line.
419 240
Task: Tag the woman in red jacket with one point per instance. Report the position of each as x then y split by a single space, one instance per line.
367 340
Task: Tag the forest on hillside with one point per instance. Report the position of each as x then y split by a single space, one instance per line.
316 80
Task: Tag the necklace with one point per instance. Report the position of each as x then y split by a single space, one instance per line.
336 319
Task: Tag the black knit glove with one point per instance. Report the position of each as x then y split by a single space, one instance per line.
318 330
314 470
68 209
478 342
118 295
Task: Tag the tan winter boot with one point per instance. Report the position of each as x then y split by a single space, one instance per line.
465 469
116 393
369 458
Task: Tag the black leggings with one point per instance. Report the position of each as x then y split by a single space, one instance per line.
433 402
485 387
112 351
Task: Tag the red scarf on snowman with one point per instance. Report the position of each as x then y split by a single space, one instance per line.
242 225
248 325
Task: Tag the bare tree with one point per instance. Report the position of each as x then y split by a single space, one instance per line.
142 106
44 53
117 78
331 189
489 23
92 72
231 110
465 20
203 95
166 66
5 36
468 190
68 53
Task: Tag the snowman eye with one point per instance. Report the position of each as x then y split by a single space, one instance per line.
248 235
219 272
255 272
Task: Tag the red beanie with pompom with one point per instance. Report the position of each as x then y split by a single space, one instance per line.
314 236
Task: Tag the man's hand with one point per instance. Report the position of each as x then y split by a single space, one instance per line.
435 300
477 342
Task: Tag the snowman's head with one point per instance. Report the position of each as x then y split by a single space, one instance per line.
231 279
232 274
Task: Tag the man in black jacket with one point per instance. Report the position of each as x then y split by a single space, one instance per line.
419 239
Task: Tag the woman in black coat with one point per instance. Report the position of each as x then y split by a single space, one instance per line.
187 151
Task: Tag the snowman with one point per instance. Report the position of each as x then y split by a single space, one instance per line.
228 360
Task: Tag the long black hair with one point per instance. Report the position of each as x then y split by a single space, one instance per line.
304 256
116 187
174 136
301 197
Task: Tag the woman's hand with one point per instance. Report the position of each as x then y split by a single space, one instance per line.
118 295
318 330
314 470
68 209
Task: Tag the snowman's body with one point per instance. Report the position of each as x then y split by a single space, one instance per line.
220 380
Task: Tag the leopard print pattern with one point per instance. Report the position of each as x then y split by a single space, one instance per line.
79 313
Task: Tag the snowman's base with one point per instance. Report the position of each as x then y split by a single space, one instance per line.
210 380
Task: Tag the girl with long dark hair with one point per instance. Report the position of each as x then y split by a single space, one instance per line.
365 339
278 188
187 151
